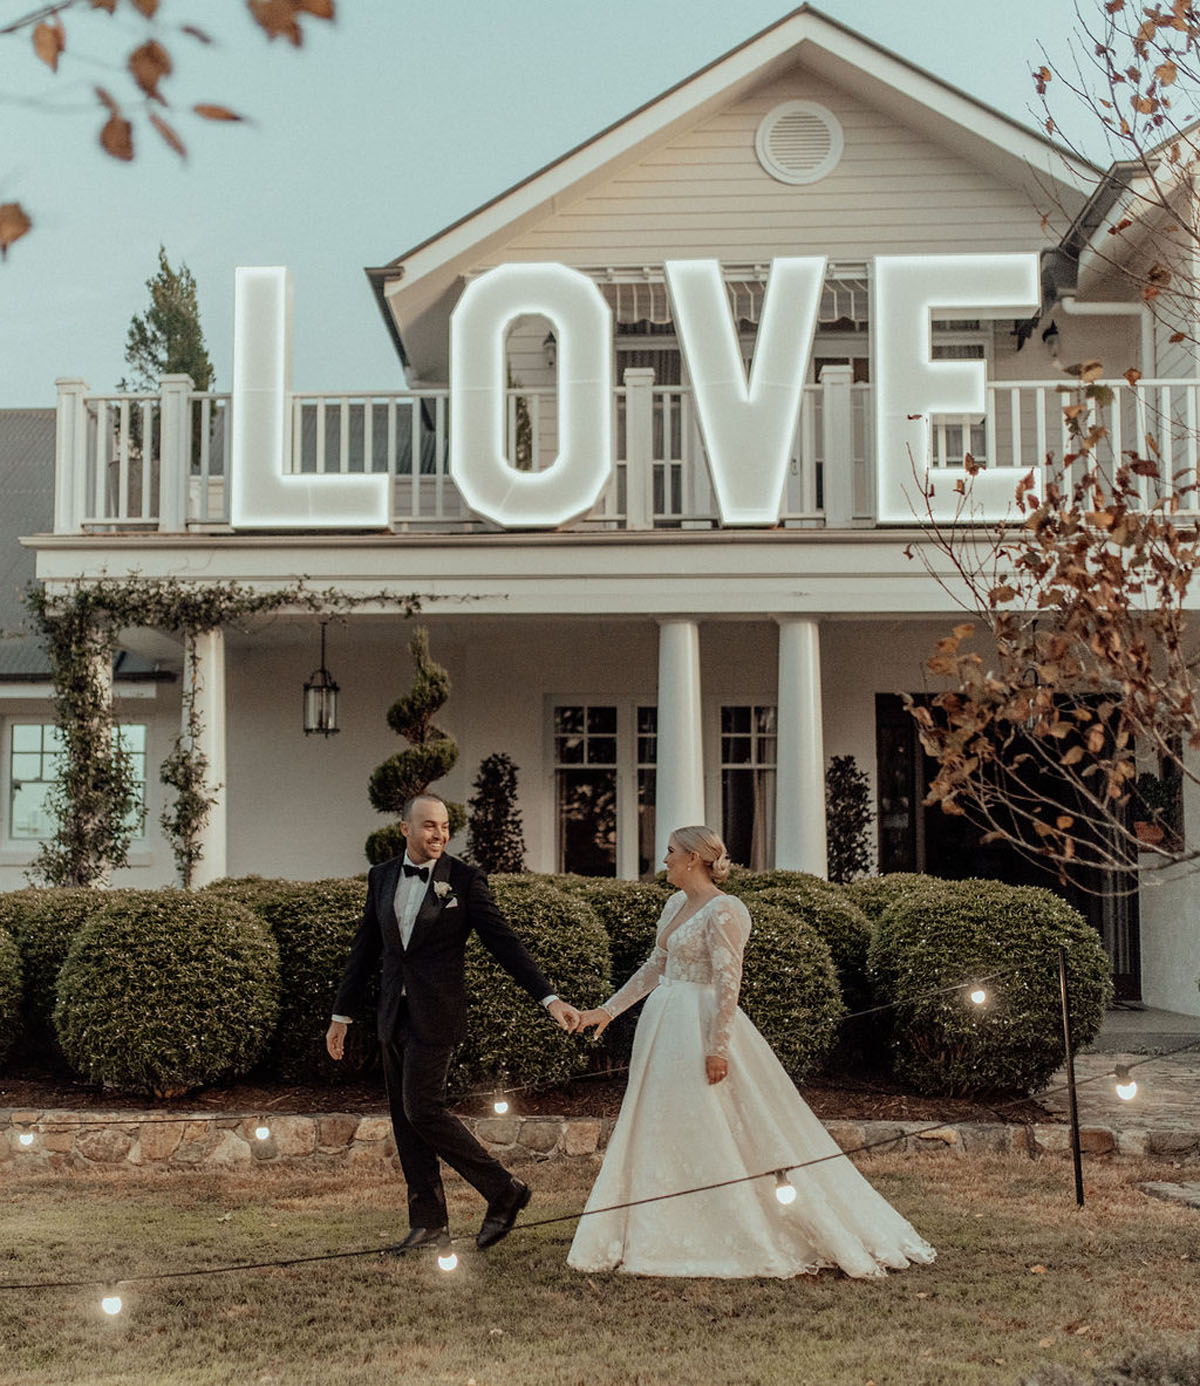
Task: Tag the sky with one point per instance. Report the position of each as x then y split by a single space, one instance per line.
382 129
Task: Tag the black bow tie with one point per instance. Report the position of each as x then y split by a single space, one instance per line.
422 871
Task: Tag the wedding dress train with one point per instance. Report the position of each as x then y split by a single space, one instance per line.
676 1131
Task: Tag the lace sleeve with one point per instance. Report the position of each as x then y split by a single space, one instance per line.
727 929
645 979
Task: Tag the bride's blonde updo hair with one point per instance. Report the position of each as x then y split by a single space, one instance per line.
708 847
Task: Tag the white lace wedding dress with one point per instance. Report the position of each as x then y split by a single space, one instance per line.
676 1131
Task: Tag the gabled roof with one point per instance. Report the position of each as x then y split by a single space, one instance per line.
983 135
27 466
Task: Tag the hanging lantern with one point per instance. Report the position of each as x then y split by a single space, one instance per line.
321 698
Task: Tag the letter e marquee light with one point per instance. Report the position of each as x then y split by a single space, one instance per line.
747 426
262 495
479 462
910 386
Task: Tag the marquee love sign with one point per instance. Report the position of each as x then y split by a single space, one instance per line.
747 421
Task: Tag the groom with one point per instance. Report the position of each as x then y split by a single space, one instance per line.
419 913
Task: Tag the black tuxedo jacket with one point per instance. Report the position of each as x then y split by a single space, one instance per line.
429 973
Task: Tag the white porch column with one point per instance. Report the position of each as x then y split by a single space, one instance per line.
206 674
679 800
70 455
800 754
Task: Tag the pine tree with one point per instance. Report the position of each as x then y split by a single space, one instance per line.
167 338
495 840
848 815
431 755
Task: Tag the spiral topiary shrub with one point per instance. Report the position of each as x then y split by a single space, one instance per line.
790 988
42 923
10 993
509 1041
313 923
164 991
944 1044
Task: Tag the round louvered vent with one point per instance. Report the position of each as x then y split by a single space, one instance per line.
799 142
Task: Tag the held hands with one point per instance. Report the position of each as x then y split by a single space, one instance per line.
597 1017
565 1014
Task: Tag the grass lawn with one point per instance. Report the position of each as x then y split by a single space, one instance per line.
1022 1277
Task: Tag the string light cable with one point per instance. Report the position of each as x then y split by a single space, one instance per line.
777 1173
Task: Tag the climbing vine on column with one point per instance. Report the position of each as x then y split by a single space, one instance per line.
94 795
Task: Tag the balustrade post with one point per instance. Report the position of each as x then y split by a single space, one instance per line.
174 451
70 454
837 447
639 447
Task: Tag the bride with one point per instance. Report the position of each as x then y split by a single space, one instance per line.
708 1101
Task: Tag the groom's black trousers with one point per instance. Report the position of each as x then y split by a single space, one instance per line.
415 1074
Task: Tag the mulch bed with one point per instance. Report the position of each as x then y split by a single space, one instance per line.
836 1098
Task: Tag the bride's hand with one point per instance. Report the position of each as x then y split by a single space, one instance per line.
716 1069
597 1017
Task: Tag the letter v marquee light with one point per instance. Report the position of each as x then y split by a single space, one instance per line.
910 386
747 426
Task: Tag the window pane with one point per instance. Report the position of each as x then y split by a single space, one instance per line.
31 817
647 865
587 821
26 737
27 767
570 750
602 750
647 721
735 719
764 720
735 750
602 720
568 719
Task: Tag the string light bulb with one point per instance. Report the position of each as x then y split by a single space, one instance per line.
447 1257
784 1192
978 995
262 1132
500 1104
1126 1086
26 1138
111 1304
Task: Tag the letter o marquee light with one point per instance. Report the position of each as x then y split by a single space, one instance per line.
479 463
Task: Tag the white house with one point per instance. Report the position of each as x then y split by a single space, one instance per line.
673 607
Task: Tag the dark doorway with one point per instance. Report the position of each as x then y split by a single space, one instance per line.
915 838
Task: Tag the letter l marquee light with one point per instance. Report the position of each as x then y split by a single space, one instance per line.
262 495
910 386
479 461
747 427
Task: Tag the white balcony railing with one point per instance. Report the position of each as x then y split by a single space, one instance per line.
161 461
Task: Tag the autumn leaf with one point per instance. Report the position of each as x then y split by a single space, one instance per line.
169 135
216 112
117 137
147 8
149 64
1176 337
13 225
1003 593
198 34
1166 72
109 6
49 40
1133 375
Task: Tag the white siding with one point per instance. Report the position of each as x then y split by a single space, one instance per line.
705 193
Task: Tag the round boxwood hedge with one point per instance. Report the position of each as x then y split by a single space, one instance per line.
508 1041
10 992
790 988
313 924
967 929
42 924
875 895
163 991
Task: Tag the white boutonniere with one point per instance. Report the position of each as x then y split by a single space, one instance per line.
442 890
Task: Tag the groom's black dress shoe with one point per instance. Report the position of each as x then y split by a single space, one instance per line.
502 1213
418 1237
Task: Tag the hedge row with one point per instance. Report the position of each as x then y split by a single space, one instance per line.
160 991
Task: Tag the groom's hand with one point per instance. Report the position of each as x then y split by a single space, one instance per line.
566 1015
335 1038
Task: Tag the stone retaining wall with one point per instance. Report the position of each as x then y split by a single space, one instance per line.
67 1140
